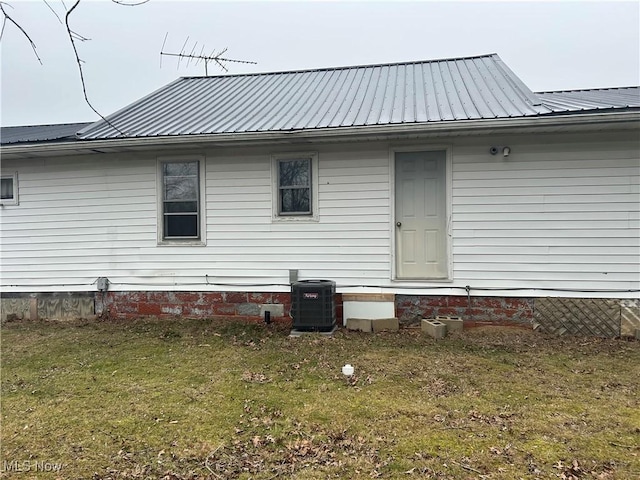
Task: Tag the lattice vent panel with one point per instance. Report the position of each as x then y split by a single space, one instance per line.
577 316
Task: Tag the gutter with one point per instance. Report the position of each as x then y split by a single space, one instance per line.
511 125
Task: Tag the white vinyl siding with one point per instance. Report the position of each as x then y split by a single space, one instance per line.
561 215
559 212
78 216
349 241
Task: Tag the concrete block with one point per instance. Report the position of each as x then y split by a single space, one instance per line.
434 328
366 309
381 324
250 309
362 324
454 324
275 309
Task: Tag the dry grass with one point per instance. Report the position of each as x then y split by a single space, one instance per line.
208 399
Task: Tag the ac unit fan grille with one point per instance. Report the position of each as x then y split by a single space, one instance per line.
313 305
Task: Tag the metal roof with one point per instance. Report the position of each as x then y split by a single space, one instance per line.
469 88
447 90
591 99
40 133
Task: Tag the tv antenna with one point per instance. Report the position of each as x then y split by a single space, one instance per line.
200 57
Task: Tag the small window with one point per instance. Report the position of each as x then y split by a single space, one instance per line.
295 186
181 204
9 189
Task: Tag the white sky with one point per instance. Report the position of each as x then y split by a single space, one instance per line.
549 45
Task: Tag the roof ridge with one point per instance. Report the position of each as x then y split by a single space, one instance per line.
346 67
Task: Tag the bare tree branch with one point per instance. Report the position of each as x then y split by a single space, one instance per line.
79 37
72 37
54 12
76 37
7 17
133 4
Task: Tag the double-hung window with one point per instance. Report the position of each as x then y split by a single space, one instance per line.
181 203
295 186
9 189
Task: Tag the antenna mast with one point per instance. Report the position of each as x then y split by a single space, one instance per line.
199 57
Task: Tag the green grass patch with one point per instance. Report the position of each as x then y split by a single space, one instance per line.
200 399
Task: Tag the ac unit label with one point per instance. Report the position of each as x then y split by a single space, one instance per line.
310 296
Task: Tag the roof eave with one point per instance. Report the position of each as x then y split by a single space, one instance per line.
626 119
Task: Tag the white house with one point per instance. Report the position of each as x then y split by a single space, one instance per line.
446 185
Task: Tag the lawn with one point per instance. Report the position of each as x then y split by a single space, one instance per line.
212 399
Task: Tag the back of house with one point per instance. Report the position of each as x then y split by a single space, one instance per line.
422 189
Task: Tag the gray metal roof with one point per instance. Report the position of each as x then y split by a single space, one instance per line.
40 133
591 99
449 90
469 88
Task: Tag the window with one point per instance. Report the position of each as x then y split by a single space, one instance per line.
295 186
9 189
180 209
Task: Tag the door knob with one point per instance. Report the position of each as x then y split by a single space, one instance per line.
398 224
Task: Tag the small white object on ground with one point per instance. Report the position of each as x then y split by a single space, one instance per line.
347 370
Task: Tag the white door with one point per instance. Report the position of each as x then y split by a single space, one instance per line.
421 215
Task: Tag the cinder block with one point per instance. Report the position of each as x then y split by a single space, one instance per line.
275 309
362 324
380 324
454 324
434 328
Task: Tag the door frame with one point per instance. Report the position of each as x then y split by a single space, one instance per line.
448 148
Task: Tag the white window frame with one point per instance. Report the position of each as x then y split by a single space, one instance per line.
14 178
313 216
202 220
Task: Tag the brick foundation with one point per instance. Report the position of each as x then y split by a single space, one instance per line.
246 306
234 305
583 316
474 310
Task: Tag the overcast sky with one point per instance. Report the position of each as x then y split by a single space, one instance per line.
549 45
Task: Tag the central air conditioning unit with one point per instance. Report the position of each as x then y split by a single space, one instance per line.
312 305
